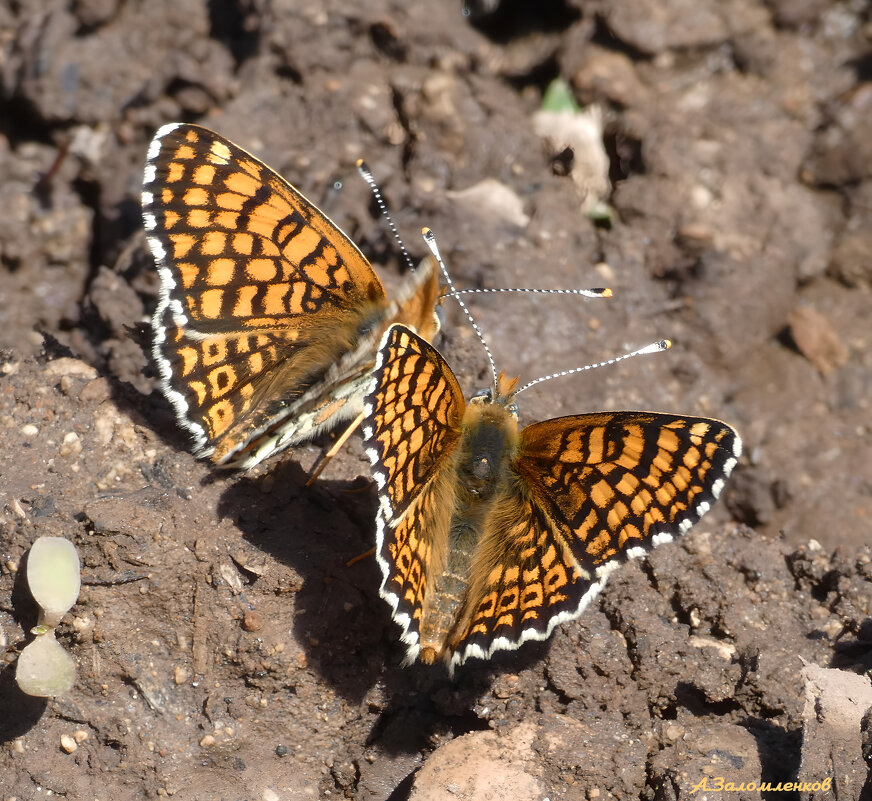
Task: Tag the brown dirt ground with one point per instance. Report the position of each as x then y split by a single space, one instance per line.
224 649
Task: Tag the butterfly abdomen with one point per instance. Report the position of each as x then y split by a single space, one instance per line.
487 447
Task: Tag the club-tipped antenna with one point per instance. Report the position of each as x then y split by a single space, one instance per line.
599 292
430 241
366 174
654 347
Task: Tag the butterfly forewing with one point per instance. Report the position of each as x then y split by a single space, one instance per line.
261 296
412 425
413 412
590 491
247 248
617 483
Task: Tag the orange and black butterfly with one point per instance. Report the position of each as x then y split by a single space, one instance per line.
487 535
269 317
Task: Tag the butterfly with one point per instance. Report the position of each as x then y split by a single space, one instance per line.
489 535
269 316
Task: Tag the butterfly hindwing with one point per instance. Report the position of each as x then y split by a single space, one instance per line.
252 275
407 550
338 393
588 493
525 581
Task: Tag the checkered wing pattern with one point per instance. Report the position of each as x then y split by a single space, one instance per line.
413 410
590 491
338 393
261 294
487 536
413 413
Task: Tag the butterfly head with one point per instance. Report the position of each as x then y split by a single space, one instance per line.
503 395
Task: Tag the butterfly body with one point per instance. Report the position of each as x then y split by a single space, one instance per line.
482 465
268 317
489 536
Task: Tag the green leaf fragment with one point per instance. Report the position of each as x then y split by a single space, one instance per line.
558 97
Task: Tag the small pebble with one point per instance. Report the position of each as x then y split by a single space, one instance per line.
81 623
817 340
29 430
68 744
180 674
96 391
281 751
72 445
80 735
605 271
207 741
674 732
69 366
252 621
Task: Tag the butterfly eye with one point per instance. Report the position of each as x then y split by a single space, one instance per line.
513 410
484 395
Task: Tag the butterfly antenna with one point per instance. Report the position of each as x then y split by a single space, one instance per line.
430 240
366 174
599 292
654 347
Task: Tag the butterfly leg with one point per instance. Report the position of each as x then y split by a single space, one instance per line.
360 557
325 459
